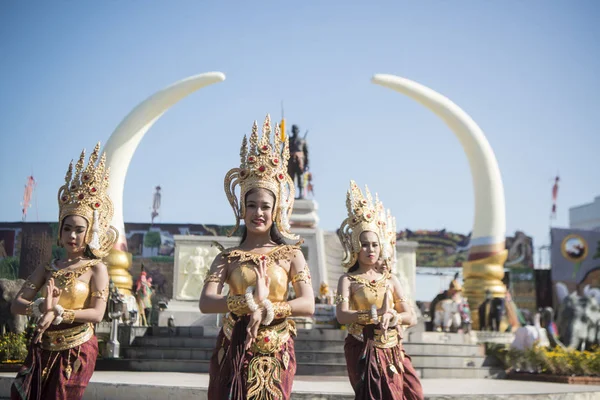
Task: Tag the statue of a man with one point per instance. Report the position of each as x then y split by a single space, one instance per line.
298 163
194 269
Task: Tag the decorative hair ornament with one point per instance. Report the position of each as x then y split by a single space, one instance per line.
263 166
364 214
85 194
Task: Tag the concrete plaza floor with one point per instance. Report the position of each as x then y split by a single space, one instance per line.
174 385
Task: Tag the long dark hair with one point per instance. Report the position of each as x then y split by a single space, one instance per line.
354 267
273 232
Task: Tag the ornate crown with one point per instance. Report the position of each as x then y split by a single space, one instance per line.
366 215
263 166
84 194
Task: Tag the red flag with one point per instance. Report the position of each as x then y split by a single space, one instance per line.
554 196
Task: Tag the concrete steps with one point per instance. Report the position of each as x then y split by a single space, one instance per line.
318 352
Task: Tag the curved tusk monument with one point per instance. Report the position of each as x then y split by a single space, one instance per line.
120 149
487 253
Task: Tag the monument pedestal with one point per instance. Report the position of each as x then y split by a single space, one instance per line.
185 313
304 222
193 258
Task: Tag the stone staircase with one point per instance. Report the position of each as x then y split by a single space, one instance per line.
318 352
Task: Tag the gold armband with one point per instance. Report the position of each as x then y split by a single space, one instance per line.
400 300
101 294
29 309
214 277
29 285
302 276
68 316
282 309
339 299
237 304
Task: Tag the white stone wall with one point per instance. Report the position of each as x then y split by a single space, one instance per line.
193 258
586 216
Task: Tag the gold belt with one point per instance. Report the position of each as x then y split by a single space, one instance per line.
67 338
270 339
381 340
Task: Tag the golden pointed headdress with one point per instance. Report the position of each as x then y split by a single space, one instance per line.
84 194
364 214
263 166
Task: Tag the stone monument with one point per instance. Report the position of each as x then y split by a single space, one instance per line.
304 222
193 258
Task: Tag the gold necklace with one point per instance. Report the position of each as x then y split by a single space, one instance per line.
66 277
373 285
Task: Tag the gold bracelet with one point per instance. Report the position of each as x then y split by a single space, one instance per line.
68 316
282 309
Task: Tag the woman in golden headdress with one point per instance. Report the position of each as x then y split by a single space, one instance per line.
62 354
254 357
372 304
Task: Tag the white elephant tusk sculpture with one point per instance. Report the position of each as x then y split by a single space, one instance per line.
487 252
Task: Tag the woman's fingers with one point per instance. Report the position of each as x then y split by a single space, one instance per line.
248 342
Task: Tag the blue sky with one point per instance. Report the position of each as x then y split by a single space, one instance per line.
526 71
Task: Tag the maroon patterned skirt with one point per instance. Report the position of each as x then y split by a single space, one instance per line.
32 383
236 374
380 373
412 385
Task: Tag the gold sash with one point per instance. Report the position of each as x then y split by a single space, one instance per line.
270 339
390 339
67 338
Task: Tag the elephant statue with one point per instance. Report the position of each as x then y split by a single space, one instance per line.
447 315
491 312
578 318
10 322
447 309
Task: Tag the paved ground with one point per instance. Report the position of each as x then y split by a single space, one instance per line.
173 385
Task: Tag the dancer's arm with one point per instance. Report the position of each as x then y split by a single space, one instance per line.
211 299
406 315
23 301
304 303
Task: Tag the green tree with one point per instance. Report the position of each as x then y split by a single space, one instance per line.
9 268
152 240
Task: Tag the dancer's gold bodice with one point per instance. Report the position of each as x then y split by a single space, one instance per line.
244 274
368 292
75 294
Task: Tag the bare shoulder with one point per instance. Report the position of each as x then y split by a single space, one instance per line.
344 279
100 268
297 254
39 274
220 260
221 257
